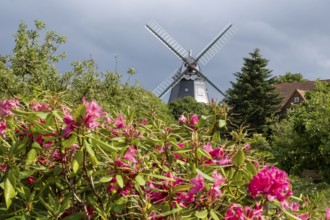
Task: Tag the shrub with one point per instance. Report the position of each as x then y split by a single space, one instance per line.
63 163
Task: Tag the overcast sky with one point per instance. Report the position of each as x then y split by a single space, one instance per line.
293 35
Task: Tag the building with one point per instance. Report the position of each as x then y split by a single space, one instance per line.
294 93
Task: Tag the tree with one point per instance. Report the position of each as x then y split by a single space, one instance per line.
252 96
187 105
302 140
289 78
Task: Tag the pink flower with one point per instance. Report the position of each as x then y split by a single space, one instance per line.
3 167
120 122
3 126
215 191
181 145
327 214
30 180
144 121
193 120
237 212
130 153
197 184
272 182
7 105
93 112
182 119
39 107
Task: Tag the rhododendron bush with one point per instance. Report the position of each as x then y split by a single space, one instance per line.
63 162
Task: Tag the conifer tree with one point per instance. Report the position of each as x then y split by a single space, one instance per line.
252 96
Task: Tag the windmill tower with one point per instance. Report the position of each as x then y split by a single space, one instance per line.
188 80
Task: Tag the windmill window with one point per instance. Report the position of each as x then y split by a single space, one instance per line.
200 92
186 89
296 99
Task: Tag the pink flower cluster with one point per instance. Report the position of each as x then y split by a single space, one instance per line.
3 126
198 185
93 113
238 212
272 182
217 154
293 206
7 105
36 106
192 122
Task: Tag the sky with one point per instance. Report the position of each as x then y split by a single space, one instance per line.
293 35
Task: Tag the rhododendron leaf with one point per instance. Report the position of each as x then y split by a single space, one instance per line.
201 214
140 180
42 115
160 177
69 142
77 161
204 153
91 153
222 123
216 137
204 175
26 173
171 212
31 157
120 180
239 158
290 215
79 113
214 215
182 188
105 146
250 168
106 179
50 120
9 192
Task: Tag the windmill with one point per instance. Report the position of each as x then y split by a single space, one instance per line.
188 80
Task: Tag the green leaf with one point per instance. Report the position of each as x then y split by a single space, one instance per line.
239 158
182 188
204 153
9 192
290 215
204 175
201 214
106 179
31 157
222 123
140 180
105 146
69 142
120 180
171 212
77 161
250 168
160 177
91 153
214 215
80 112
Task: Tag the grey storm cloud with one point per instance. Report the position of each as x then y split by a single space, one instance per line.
293 35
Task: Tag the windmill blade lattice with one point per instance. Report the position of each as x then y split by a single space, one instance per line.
163 88
165 38
216 44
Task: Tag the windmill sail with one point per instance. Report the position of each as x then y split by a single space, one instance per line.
216 44
166 39
168 83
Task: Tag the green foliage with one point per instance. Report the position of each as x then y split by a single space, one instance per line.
289 78
61 164
252 96
187 105
30 72
302 140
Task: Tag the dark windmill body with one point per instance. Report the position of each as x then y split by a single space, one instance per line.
188 80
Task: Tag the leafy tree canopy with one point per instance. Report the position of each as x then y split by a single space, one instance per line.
289 78
30 72
302 141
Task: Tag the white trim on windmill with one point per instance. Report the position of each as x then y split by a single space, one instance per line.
188 80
